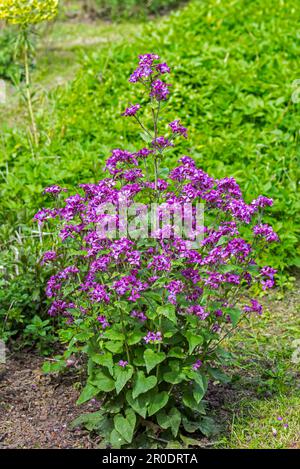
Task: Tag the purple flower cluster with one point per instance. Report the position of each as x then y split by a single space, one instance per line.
153 337
131 110
109 273
177 128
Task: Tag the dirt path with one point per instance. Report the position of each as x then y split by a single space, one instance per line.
35 410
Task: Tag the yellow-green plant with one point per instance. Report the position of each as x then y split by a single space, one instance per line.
26 14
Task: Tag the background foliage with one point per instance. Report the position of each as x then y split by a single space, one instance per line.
234 65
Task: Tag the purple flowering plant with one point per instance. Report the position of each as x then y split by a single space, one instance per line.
150 312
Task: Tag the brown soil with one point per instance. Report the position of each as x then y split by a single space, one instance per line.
36 409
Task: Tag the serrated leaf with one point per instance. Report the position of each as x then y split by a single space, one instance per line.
116 440
104 359
114 347
135 337
176 352
168 311
208 427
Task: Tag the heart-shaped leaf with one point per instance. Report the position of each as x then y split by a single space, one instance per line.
158 402
103 382
153 358
170 420
125 425
139 404
122 375
143 384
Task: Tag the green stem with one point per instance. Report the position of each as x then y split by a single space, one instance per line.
124 332
28 93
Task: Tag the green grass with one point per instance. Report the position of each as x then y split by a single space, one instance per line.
257 426
266 380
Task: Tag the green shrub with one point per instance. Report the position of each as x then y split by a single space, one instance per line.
9 69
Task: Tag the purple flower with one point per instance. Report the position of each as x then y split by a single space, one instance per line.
162 68
123 363
255 307
177 128
99 294
131 110
48 256
174 287
161 142
159 90
103 321
143 153
139 315
153 337
54 190
265 231
268 280
197 365
262 202
160 262
198 311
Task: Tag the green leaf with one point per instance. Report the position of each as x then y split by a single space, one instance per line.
158 401
189 425
125 425
135 337
122 376
219 375
208 427
104 359
169 420
153 358
173 377
91 421
103 382
194 340
116 440
139 404
200 385
114 347
114 334
143 384
191 402
88 392
168 311
176 352
190 441
235 315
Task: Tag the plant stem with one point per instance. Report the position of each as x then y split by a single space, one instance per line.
124 332
28 93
